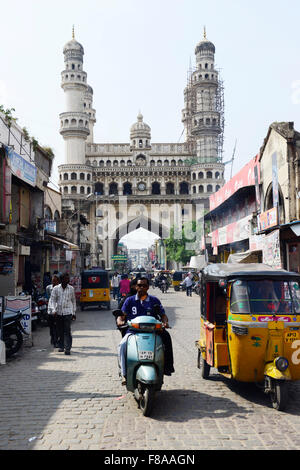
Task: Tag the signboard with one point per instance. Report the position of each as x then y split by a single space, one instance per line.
119 258
245 177
15 304
21 168
50 226
271 250
231 233
267 219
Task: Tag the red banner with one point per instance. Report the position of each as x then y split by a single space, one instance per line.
245 177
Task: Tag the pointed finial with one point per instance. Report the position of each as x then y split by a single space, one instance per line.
73 33
204 33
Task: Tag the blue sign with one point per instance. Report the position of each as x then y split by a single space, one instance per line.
21 167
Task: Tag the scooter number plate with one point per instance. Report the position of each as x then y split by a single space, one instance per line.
291 336
146 354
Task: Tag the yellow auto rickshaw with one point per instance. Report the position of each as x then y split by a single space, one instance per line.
95 289
250 326
177 280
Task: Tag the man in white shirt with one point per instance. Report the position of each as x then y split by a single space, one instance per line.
64 307
188 284
115 281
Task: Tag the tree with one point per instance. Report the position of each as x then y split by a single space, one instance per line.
179 246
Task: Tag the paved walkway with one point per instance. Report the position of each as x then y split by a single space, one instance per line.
52 401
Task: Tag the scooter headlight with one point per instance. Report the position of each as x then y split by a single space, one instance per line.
281 363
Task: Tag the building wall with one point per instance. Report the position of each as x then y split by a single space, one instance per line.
276 143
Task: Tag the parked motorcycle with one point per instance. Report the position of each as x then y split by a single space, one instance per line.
144 359
13 332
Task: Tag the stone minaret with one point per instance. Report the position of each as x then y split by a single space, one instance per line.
75 121
203 112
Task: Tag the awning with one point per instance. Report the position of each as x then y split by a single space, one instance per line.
4 248
244 257
296 229
70 245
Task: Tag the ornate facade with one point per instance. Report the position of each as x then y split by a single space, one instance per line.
122 186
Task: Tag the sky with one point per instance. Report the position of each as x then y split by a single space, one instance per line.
137 55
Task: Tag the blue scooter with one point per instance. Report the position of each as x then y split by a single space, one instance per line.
144 360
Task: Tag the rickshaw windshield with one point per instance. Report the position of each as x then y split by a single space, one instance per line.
265 296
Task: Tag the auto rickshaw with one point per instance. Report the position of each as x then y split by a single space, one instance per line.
95 289
177 280
250 326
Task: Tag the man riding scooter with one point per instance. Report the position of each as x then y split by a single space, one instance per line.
142 304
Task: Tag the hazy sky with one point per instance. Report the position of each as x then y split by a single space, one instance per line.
137 54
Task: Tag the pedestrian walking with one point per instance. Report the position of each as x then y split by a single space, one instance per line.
124 286
51 317
115 281
188 284
64 307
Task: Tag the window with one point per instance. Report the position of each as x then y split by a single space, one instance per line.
81 189
267 297
73 190
66 176
200 175
209 174
170 188
209 188
66 189
155 188
99 189
81 176
113 189
183 188
73 176
201 189
127 189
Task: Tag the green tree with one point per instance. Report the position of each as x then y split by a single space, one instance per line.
179 246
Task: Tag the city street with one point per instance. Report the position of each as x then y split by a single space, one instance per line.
53 401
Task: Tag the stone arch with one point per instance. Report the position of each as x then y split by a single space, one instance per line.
268 202
155 188
99 188
183 187
113 188
170 189
127 188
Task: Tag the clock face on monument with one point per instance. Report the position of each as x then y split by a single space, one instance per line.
141 186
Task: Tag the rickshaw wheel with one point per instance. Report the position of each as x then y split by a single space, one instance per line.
205 368
279 395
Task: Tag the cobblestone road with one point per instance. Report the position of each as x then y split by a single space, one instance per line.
53 401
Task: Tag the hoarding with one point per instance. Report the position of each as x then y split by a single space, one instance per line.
245 177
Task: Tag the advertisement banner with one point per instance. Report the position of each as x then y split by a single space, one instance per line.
245 177
15 304
271 250
231 233
21 168
267 219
